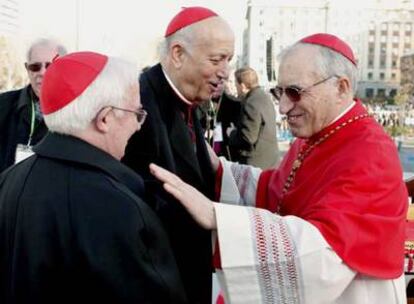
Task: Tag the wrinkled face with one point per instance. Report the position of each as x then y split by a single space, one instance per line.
203 67
126 123
319 105
41 55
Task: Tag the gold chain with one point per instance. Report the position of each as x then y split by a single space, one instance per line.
303 154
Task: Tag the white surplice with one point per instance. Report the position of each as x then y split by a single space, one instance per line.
267 258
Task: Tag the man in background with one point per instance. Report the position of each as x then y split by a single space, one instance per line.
254 137
21 120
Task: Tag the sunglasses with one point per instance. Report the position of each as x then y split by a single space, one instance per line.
141 113
294 93
37 66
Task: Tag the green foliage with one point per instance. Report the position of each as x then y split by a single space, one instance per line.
12 72
396 130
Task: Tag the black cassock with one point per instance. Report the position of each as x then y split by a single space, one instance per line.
74 229
165 139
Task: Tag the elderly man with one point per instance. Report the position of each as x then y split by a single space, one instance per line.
21 121
335 230
195 60
255 135
72 222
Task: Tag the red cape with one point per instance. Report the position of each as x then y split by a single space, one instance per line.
350 187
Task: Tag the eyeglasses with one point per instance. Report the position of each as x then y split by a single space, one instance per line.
294 93
37 66
140 113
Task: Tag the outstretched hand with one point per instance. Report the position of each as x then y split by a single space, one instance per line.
199 206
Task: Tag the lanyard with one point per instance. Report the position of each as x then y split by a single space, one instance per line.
32 123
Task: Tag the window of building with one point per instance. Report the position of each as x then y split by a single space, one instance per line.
383 48
394 63
371 39
381 92
370 63
369 92
382 77
393 76
370 75
396 26
393 92
382 63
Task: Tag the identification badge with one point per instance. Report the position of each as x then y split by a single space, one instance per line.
23 152
218 133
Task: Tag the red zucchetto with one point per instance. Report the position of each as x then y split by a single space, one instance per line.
188 16
67 77
332 42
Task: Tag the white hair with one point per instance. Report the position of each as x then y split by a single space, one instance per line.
329 63
60 49
108 89
184 36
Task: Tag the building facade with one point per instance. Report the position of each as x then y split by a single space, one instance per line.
379 31
407 77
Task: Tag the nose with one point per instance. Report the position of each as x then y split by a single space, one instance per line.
285 104
42 70
224 70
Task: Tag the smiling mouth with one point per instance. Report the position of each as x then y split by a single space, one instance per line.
293 118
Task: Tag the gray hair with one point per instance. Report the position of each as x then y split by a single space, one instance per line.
185 36
61 50
108 89
329 63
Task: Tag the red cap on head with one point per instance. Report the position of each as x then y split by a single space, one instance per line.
188 16
67 77
332 42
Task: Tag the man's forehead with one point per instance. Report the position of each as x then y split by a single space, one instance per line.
42 51
213 28
297 68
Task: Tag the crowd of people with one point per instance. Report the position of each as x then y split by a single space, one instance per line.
113 190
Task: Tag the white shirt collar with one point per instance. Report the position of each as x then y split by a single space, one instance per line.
175 88
348 108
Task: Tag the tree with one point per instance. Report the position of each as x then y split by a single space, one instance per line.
12 72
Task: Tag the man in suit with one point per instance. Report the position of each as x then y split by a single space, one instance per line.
255 135
21 121
195 56
73 222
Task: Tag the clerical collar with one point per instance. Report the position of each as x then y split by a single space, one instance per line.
175 89
343 112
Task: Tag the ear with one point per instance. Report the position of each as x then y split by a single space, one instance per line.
244 88
344 87
103 120
177 54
